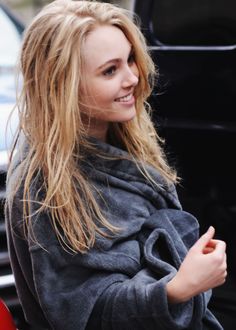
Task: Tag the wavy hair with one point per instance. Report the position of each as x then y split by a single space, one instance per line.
50 117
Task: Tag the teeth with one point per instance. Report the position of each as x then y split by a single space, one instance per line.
125 98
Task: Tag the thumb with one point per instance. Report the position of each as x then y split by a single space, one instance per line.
205 238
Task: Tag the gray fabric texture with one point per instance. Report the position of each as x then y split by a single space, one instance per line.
120 283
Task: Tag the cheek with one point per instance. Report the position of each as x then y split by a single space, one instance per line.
92 94
100 92
104 92
135 70
98 99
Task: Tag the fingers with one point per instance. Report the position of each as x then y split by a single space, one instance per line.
207 250
203 241
213 245
220 260
224 269
220 246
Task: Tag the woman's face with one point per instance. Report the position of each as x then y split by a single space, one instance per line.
110 76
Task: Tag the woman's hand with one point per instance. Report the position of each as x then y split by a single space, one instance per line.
203 268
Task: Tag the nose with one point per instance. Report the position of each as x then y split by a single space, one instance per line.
131 76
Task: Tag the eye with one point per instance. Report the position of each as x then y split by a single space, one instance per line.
110 71
131 58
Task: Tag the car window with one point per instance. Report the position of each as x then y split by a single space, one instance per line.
195 22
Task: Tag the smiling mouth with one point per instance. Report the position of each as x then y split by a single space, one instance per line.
126 98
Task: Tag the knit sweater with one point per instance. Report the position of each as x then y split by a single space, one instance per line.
120 283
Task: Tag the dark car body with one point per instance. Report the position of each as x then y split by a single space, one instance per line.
193 44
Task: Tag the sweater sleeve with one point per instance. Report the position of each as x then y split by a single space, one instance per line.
76 296
121 288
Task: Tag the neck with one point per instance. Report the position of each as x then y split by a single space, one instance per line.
96 128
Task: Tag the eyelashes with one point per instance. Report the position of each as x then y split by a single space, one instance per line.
110 71
131 58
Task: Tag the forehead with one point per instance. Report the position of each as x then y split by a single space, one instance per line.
103 44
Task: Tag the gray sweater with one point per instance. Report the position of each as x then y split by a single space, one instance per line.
120 283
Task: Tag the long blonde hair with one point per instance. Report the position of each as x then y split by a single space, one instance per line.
50 117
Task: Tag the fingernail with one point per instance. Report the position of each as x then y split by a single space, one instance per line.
210 228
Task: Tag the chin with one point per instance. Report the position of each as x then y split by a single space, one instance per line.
126 116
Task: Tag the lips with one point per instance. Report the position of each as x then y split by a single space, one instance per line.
126 98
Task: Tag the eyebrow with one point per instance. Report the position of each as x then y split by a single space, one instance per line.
116 60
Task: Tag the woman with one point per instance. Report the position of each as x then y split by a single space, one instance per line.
97 236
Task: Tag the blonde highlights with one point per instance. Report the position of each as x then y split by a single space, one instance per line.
50 117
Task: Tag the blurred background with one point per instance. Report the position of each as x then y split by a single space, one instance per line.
25 10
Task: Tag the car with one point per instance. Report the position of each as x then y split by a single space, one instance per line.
10 40
193 44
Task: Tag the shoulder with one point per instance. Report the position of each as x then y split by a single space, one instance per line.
118 172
